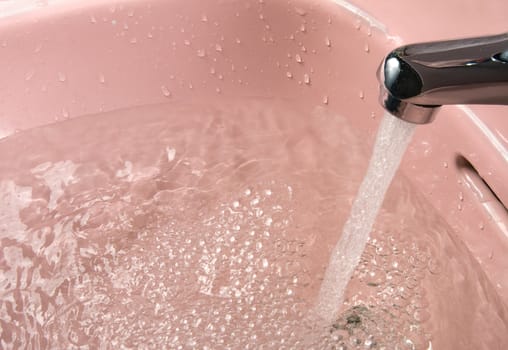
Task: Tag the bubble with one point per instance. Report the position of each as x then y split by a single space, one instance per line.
298 58
289 75
421 315
264 263
434 266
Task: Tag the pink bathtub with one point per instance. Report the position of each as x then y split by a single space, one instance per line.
175 174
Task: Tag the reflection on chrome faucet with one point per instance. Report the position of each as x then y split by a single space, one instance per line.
416 79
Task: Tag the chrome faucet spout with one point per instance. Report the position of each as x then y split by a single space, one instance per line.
416 79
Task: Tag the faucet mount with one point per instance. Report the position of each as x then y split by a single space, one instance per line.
417 79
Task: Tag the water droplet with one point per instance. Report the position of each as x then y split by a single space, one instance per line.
361 95
102 79
481 226
218 90
291 37
373 115
300 11
325 100
204 18
461 196
65 113
298 58
29 75
218 48
186 42
126 26
369 31
306 79
358 24
38 48
165 91
130 13
220 76
445 164
238 41
366 48
133 40
149 35
289 75
459 207
261 16
328 42
61 77
201 53
329 20
93 19
212 70
303 49
302 28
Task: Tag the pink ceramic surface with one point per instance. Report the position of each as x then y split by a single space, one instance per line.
122 89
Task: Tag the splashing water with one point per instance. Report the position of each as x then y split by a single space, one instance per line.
391 142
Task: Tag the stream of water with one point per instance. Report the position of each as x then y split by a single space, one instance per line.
391 142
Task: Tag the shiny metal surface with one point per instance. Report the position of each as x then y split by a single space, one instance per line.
416 79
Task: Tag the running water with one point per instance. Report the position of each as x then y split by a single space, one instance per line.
391 142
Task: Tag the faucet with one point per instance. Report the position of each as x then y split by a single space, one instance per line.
417 79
